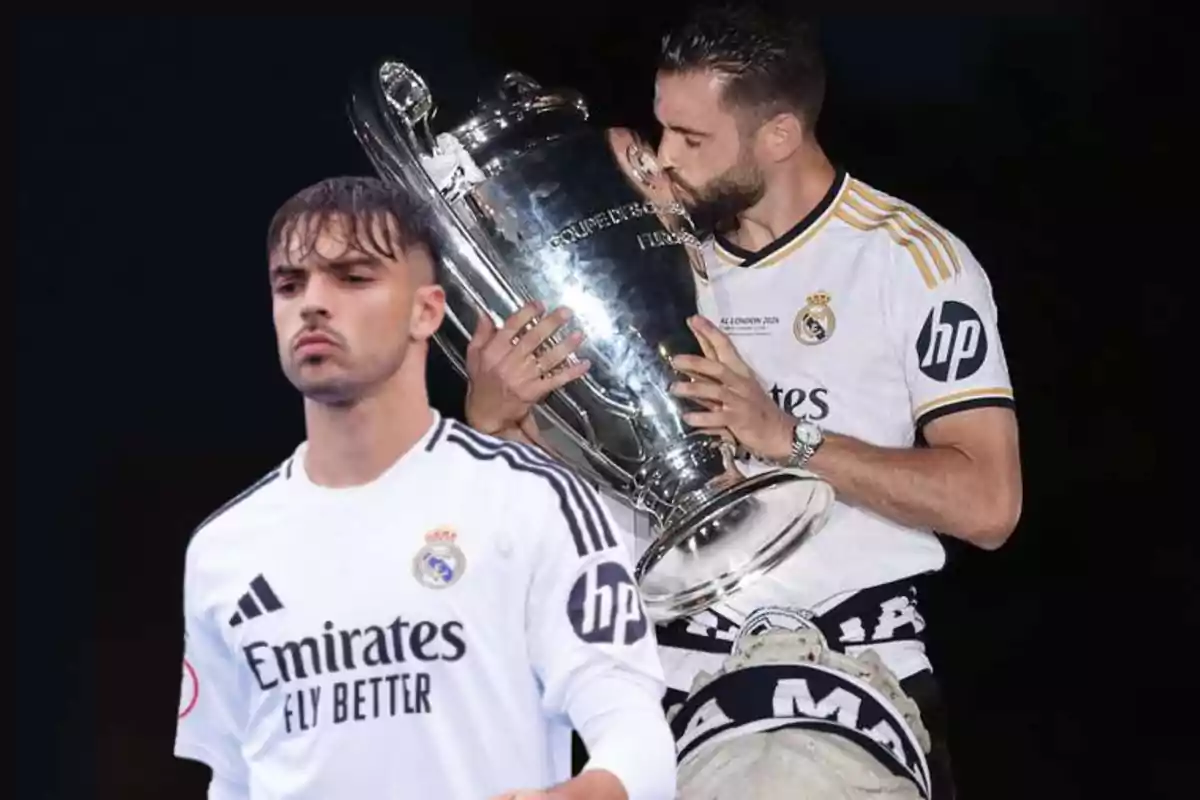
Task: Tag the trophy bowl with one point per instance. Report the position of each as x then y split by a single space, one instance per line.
531 201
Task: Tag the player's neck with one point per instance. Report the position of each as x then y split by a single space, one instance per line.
354 444
790 197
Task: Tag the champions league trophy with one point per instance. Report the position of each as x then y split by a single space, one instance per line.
532 202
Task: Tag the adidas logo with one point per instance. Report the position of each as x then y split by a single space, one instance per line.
261 591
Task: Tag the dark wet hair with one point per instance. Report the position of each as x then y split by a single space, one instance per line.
768 53
386 219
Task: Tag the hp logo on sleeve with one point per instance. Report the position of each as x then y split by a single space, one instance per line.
604 606
952 344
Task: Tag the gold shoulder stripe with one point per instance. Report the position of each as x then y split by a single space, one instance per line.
888 224
958 397
903 224
920 220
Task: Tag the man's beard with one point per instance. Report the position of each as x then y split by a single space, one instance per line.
715 206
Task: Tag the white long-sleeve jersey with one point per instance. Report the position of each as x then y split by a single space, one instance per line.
436 633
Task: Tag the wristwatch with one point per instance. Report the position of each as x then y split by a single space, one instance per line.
807 438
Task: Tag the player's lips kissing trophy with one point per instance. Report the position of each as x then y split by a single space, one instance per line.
533 202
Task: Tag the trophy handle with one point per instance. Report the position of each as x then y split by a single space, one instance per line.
407 95
406 92
394 149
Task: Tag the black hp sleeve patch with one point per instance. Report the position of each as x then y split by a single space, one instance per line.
952 344
604 606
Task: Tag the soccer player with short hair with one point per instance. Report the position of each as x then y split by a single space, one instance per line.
406 607
840 325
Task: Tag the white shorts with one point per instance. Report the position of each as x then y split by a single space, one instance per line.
788 717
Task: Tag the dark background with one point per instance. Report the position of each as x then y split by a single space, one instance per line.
152 152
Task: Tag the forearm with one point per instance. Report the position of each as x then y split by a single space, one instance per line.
939 488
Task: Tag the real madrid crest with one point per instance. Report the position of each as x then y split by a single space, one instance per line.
440 563
815 322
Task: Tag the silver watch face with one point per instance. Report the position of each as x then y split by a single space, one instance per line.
807 434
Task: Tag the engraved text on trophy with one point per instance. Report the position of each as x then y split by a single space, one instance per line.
584 228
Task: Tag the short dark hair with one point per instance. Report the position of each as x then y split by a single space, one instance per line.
368 203
769 55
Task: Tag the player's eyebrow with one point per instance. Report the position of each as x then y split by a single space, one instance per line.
283 270
355 260
686 131
337 264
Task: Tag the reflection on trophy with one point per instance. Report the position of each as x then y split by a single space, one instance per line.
532 202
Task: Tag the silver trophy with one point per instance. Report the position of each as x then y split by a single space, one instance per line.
533 202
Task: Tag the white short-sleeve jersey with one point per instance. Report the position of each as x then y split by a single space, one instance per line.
871 320
425 635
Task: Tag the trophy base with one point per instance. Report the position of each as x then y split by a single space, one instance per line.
730 539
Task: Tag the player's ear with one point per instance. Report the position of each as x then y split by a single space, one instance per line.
429 299
428 311
781 136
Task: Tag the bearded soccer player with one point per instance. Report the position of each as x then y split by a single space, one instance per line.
840 326
406 607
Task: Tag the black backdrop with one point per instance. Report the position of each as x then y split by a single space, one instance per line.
151 152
